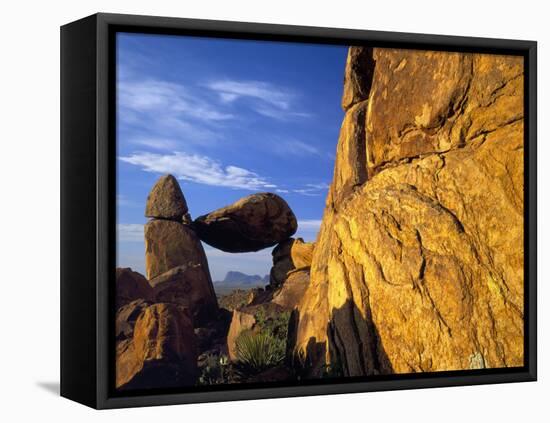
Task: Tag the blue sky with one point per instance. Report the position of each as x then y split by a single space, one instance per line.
227 118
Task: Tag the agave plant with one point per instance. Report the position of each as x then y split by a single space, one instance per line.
258 351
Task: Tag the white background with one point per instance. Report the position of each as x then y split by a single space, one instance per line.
29 208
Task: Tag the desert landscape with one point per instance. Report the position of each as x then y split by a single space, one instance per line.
417 265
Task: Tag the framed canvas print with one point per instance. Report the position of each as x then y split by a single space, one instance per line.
255 211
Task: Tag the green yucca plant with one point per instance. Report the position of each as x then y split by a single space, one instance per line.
258 351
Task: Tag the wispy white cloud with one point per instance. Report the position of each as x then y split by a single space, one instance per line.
310 224
307 193
297 148
156 143
123 200
199 169
129 232
266 99
274 113
312 190
197 114
321 186
155 109
230 90
308 229
173 99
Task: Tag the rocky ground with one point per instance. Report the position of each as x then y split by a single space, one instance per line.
235 298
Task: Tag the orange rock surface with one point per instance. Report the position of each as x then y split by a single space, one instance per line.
418 265
162 352
170 244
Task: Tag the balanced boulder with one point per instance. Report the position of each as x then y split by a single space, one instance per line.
131 286
166 201
190 286
250 224
170 244
162 353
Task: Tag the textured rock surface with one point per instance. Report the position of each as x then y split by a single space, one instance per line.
189 286
164 331
162 352
292 290
127 363
357 76
126 317
131 286
287 256
456 99
301 253
166 201
242 320
250 224
170 244
419 262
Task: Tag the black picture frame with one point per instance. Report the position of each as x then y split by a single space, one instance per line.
88 206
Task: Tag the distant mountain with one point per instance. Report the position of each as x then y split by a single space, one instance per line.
239 278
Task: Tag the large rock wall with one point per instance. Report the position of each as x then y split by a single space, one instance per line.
419 261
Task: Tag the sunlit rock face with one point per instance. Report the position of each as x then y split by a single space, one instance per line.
419 262
189 286
162 351
169 244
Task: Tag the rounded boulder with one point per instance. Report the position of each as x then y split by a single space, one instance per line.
250 224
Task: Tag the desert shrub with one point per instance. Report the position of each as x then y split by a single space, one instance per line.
256 352
275 325
215 370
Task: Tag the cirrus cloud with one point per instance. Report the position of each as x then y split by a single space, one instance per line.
265 98
129 232
199 169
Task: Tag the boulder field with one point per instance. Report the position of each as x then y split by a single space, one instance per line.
169 326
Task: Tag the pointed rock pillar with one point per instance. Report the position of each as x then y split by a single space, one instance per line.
175 262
